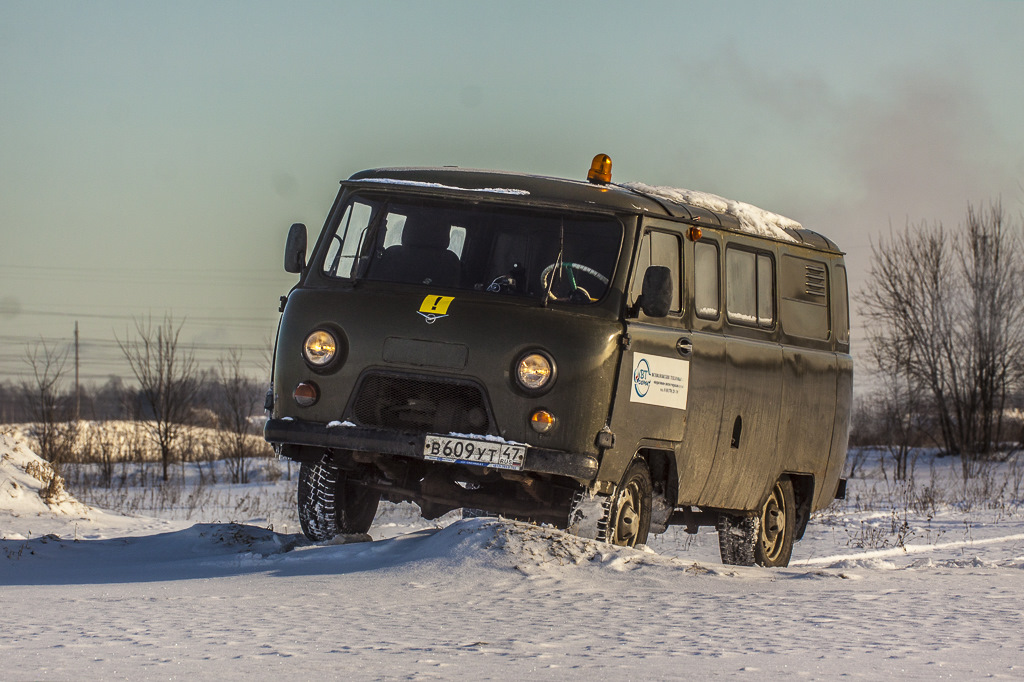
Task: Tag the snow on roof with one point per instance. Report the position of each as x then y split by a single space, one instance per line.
752 219
435 185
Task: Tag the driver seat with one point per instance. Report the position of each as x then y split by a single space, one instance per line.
423 256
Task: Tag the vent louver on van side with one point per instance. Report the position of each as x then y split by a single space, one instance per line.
814 280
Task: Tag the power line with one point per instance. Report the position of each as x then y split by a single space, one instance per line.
218 272
141 270
105 316
99 358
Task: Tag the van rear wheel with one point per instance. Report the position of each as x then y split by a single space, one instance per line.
736 538
777 526
331 502
766 538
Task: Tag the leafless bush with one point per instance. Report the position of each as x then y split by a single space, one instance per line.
992 485
238 401
192 497
52 483
855 459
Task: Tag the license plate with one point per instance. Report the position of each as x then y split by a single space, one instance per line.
470 451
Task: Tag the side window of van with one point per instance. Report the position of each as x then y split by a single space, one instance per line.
706 298
658 248
749 288
804 287
841 306
344 246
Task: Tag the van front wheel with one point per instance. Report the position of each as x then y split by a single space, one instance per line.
623 518
330 502
630 522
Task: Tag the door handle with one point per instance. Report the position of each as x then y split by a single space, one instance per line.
684 347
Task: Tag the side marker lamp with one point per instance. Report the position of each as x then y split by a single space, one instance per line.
600 170
695 234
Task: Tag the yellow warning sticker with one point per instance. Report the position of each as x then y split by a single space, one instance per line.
438 305
434 307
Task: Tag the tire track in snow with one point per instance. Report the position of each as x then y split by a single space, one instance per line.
907 549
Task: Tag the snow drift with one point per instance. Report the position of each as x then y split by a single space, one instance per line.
29 485
93 595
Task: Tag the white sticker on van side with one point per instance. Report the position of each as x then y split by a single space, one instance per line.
660 381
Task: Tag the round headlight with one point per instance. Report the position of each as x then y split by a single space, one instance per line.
534 371
320 348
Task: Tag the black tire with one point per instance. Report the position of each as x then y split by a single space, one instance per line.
736 538
630 520
332 503
766 538
623 518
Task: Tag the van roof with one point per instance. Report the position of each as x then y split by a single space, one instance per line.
698 208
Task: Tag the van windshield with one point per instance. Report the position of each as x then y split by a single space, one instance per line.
560 257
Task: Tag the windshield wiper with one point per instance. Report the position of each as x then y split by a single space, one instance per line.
558 263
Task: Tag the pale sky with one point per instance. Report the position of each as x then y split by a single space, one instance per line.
153 155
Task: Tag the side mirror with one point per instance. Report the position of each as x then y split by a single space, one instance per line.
295 249
656 295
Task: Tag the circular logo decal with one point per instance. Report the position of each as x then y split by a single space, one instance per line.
642 378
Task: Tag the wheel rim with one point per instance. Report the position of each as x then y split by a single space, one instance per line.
627 517
773 524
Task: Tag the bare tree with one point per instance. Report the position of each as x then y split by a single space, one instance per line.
238 400
946 320
47 407
991 259
167 378
898 406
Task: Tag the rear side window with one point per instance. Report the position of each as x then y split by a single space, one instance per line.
705 275
749 287
841 306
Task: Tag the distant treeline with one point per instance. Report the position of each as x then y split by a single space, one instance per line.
116 399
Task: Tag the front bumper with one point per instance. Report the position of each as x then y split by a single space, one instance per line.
582 467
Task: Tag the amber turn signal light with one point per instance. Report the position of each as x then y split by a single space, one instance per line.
306 394
542 421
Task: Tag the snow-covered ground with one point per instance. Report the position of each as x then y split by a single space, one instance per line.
875 590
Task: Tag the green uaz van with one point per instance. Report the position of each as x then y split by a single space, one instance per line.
606 358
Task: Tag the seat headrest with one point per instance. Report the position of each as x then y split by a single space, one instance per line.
426 232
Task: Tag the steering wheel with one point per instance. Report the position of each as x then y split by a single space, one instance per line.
569 267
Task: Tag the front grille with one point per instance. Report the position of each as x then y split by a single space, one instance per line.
407 403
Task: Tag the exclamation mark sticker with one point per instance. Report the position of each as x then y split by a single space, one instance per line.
434 307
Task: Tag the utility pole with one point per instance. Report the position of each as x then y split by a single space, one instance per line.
78 393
